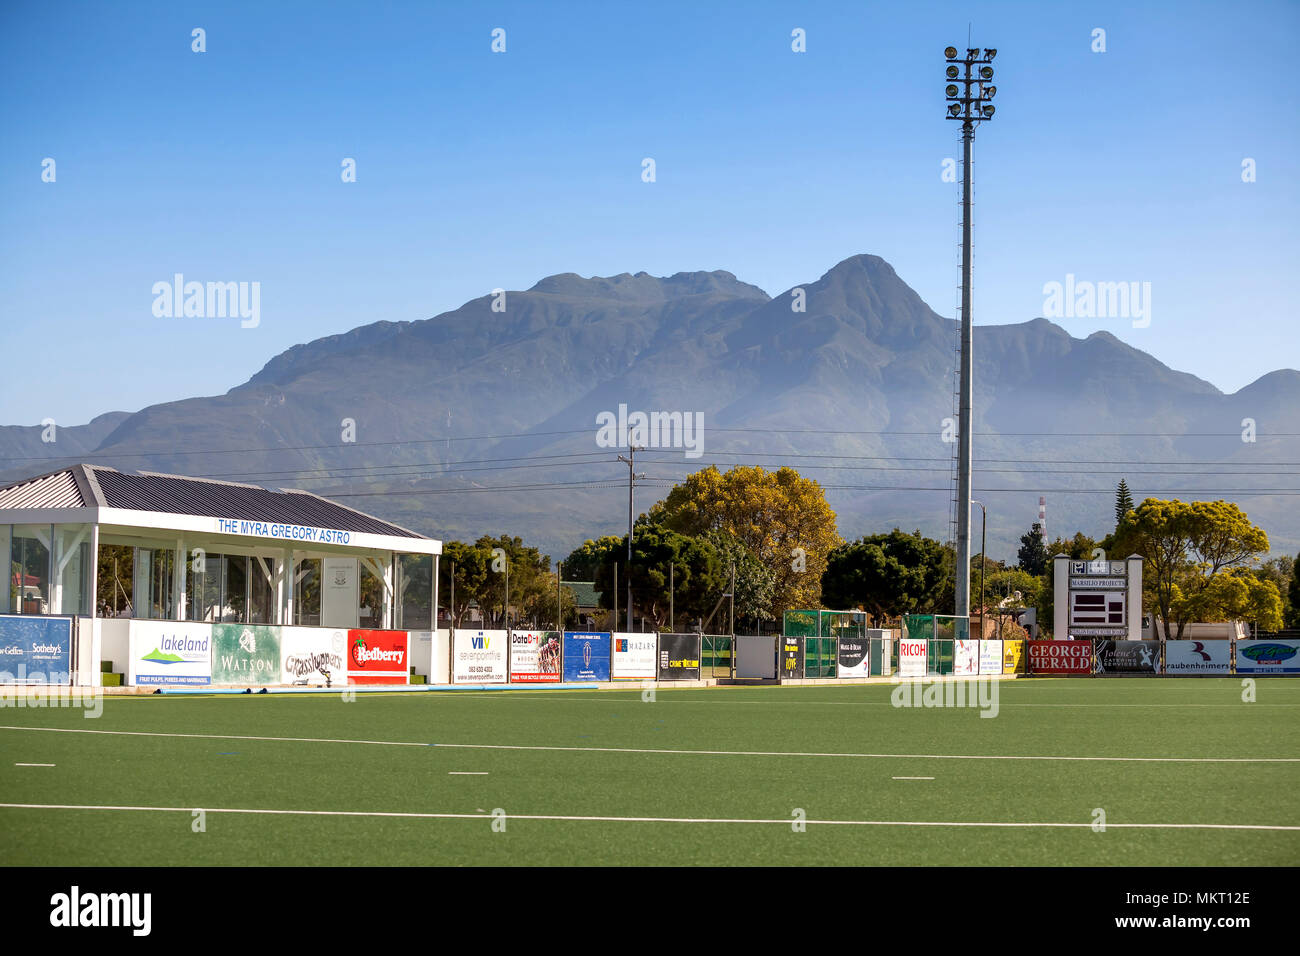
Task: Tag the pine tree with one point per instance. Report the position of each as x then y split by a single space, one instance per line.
1032 556
1123 501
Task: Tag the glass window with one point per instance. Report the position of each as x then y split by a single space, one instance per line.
116 583
202 586
73 568
261 591
234 588
29 580
371 609
414 592
162 569
306 591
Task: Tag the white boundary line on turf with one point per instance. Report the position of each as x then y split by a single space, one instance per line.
640 750
610 819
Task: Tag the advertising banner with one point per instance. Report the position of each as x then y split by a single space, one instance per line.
634 656
1198 657
756 656
534 657
479 657
586 655
990 657
35 650
791 657
1268 657
378 657
679 657
1128 657
911 657
171 652
1060 657
243 653
313 656
854 660
966 658
1013 657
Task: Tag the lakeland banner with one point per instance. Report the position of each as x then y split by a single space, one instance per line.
534 656
171 652
679 657
1268 657
313 656
245 653
1198 657
1128 657
378 657
479 657
35 650
634 657
586 655
1060 657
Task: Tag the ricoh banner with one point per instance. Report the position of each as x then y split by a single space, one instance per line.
1060 657
1128 657
35 650
990 657
911 657
586 655
173 652
854 660
479 657
1198 657
679 657
1268 657
378 657
534 657
634 657
966 658
313 656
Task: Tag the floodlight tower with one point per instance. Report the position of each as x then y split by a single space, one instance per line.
969 91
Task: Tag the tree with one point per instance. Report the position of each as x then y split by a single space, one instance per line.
1123 501
755 581
781 517
1293 594
697 575
887 574
1188 549
582 563
1032 557
531 582
467 567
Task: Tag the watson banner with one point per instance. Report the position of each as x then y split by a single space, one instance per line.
313 656
586 655
911 657
1060 657
35 650
245 653
378 657
1268 657
1198 657
171 652
534 656
634 657
679 657
1128 657
479 657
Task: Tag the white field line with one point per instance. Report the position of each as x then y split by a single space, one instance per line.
612 819
913 778
33 765
467 773
645 750
553 696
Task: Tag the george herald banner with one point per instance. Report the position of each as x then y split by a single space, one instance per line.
1060 657
378 657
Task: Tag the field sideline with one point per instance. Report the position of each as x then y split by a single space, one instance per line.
1184 770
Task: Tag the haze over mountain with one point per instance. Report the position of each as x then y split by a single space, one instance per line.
853 391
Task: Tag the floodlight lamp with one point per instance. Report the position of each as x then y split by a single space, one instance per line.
990 54
954 109
973 54
990 92
951 90
988 109
953 72
951 53
986 72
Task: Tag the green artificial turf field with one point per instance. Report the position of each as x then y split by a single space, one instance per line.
605 777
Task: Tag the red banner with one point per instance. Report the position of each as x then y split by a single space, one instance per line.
378 657
1060 657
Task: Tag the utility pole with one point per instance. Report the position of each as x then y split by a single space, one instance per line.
672 597
559 599
453 594
631 483
969 104
984 526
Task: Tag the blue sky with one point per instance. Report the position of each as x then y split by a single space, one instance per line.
478 170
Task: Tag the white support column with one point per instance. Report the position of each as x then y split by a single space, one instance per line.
1133 601
433 608
7 549
94 580
180 579
1061 597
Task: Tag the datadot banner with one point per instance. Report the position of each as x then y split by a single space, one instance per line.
634 656
534 656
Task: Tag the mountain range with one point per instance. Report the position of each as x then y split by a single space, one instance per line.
853 390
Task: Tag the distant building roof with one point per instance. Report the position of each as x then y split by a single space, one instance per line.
87 486
584 593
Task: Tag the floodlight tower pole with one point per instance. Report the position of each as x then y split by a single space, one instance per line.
969 104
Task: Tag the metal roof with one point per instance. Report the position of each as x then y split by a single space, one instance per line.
88 485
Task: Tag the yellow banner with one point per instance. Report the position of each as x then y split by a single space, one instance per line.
1013 657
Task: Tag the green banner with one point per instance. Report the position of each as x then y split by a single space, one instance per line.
245 654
